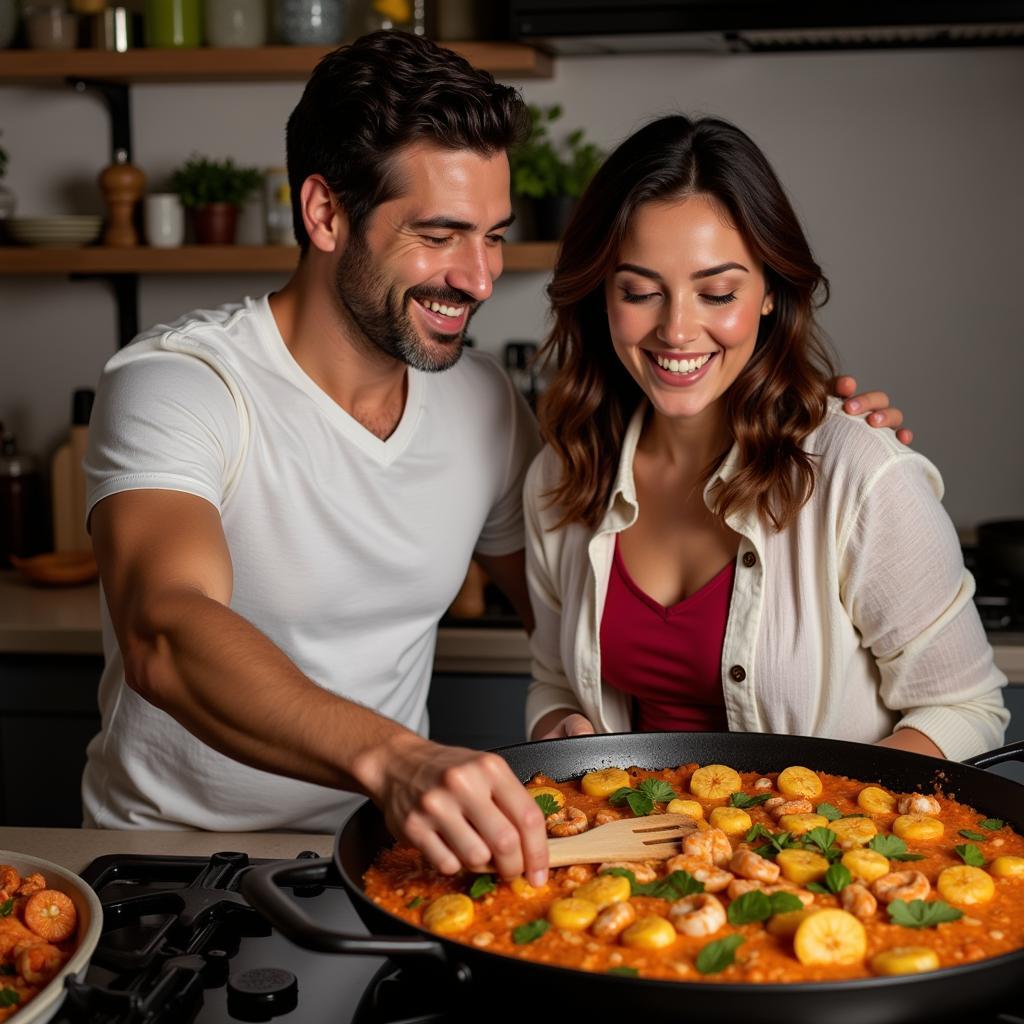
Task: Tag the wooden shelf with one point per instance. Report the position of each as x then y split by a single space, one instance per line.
265 63
206 259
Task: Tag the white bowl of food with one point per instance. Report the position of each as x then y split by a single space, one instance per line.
42 940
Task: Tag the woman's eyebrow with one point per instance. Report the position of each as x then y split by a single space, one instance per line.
697 275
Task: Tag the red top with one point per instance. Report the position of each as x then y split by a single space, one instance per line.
668 659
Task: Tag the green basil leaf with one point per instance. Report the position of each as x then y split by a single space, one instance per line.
671 887
742 800
970 854
892 847
658 791
9 997
829 811
992 824
414 903
547 803
619 796
922 913
837 878
976 836
626 972
818 888
718 955
822 838
6 907
749 908
757 832
640 803
482 885
530 931
784 902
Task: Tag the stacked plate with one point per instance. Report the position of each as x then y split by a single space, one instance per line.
69 230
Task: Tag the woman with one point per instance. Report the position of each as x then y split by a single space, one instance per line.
712 544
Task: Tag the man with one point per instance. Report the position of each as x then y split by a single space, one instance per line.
285 494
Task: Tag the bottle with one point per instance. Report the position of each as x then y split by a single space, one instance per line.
21 524
69 533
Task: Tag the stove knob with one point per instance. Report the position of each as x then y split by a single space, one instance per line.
260 993
217 966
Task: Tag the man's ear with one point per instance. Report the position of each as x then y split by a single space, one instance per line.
324 219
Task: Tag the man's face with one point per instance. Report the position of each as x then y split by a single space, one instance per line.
427 259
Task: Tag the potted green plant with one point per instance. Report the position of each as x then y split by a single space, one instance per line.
551 175
212 191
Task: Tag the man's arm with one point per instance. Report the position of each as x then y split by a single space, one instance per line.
167 577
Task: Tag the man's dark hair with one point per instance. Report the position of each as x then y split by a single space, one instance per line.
366 101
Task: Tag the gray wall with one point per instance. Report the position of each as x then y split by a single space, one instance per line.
904 165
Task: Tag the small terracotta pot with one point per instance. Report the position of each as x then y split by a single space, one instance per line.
215 223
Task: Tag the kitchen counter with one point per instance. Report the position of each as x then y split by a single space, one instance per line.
74 848
66 620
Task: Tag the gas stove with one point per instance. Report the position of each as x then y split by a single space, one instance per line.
181 945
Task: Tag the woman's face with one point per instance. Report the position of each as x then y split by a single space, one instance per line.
684 304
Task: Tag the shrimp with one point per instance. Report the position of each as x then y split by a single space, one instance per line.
763 784
710 845
901 885
13 933
698 915
857 899
9 880
741 886
606 815
642 872
579 873
777 810
918 803
31 883
614 919
714 879
569 821
51 915
38 962
748 864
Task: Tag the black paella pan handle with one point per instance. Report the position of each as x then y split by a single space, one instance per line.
262 887
1011 752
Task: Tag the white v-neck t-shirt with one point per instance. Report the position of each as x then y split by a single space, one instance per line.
345 549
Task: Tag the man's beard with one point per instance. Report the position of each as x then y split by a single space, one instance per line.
383 317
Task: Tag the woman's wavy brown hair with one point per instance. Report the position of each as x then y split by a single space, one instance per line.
781 394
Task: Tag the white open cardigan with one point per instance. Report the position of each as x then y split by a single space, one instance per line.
856 620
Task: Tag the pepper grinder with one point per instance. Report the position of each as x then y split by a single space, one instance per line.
122 185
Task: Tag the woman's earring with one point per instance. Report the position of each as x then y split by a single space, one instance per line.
767 308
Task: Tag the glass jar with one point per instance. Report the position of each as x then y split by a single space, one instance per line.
233 23
172 24
309 22
407 15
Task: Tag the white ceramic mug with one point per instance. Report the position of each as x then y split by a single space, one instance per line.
164 220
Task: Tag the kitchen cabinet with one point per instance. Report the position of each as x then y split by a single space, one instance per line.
48 715
112 74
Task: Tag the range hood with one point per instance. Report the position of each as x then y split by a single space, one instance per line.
745 26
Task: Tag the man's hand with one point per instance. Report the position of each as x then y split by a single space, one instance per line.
462 808
874 402
558 726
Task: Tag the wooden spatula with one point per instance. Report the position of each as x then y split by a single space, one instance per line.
655 837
